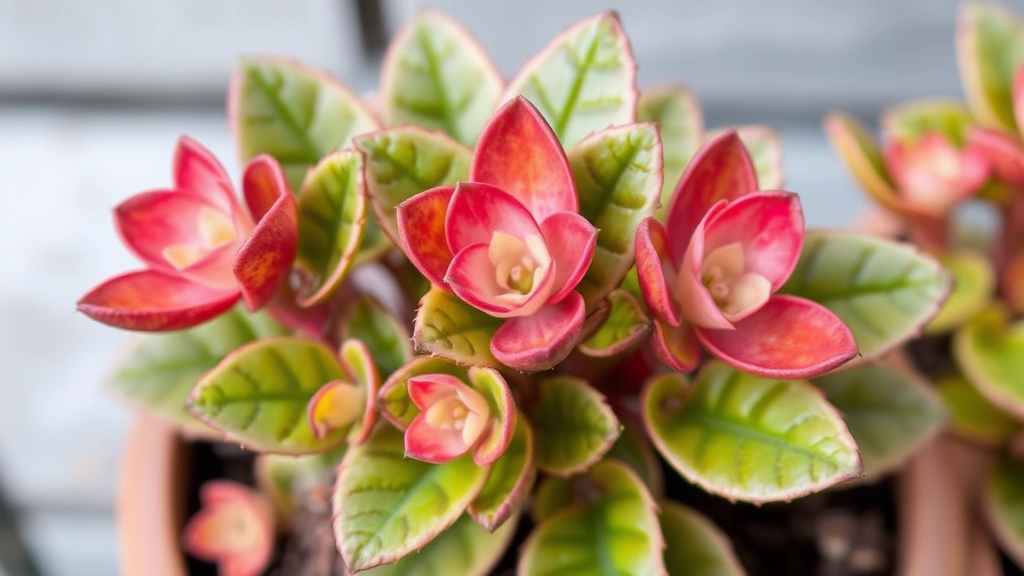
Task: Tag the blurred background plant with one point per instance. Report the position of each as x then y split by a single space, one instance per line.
92 96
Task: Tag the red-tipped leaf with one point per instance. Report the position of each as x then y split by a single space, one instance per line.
421 231
571 241
149 300
676 346
519 153
538 342
721 170
656 271
265 260
198 172
789 337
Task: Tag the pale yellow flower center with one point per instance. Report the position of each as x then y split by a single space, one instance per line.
466 412
736 291
215 230
518 264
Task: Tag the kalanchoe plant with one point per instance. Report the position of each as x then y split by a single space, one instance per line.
933 157
480 283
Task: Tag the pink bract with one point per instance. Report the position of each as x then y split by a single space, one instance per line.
234 528
509 242
203 251
710 274
454 420
933 175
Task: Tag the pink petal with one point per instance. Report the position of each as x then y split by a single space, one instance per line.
471 277
676 346
151 221
721 170
656 270
769 225
789 337
1018 98
215 269
976 169
698 306
429 444
932 174
225 505
421 232
538 342
429 389
198 172
519 153
1003 152
263 263
263 184
478 210
152 301
571 241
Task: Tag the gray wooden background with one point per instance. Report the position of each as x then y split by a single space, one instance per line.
94 94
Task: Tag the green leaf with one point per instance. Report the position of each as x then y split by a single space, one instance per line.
259 393
634 449
396 405
159 371
746 437
618 179
437 76
884 291
971 415
448 327
973 285
990 352
626 324
859 151
385 335
332 210
890 413
402 162
553 495
1003 500
694 546
681 126
990 48
464 549
610 531
583 81
509 482
283 477
388 505
912 120
575 422
296 114
766 152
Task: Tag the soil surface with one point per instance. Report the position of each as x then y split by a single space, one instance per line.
839 532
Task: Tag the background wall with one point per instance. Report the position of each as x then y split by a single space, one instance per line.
94 94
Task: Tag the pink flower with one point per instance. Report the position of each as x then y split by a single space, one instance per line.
202 251
455 419
509 242
710 274
1005 151
234 528
932 174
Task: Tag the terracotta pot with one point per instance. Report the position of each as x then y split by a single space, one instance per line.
150 509
940 530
